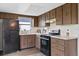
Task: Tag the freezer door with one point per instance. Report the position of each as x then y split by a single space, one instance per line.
1 34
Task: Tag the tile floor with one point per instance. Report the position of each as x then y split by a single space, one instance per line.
26 52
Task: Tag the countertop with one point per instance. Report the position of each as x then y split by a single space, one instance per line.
55 36
64 37
28 34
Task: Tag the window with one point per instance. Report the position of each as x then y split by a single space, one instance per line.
25 23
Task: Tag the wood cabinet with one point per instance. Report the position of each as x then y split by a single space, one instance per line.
64 15
47 16
31 40
8 16
27 41
38 42
47 19
74 13
42 21
23 42
36 22
70 13
61 47
67 13
59 15
52 14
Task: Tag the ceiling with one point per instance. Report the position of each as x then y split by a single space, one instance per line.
33 9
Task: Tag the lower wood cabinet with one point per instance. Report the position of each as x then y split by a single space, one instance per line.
23 42
27 41
61 47
38 42
31 40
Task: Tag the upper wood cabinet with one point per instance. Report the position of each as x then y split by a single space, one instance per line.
8 16
41 21
52 14
47 16
36 22
47 19
64 15
70 13
59 15
74 13
67 14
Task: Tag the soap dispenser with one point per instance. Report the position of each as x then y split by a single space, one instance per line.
67 33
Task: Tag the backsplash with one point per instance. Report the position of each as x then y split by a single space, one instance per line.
73 29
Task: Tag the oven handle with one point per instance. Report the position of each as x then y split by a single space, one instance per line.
44 39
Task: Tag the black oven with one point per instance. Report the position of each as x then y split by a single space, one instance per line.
45 45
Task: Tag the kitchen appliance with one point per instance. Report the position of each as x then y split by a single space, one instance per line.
9 35
45 45
45 42
55 32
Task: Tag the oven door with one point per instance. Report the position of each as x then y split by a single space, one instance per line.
45 46
44 43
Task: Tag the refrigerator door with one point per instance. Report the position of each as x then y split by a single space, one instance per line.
14 37
11 36
14 25
1 34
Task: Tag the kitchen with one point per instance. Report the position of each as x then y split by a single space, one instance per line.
52 33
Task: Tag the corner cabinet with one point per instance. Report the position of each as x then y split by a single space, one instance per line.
61 47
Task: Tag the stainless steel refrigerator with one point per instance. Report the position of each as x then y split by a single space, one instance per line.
9 35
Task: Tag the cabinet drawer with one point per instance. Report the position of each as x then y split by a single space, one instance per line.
23 37
60 42
57 52
57 47
54 40
57 41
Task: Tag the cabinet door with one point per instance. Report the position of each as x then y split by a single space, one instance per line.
42 21
39 18
23 42
38 41
31 41
36 22
67 13
52 14
47 23
47 16
59 15
1 39
74 13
